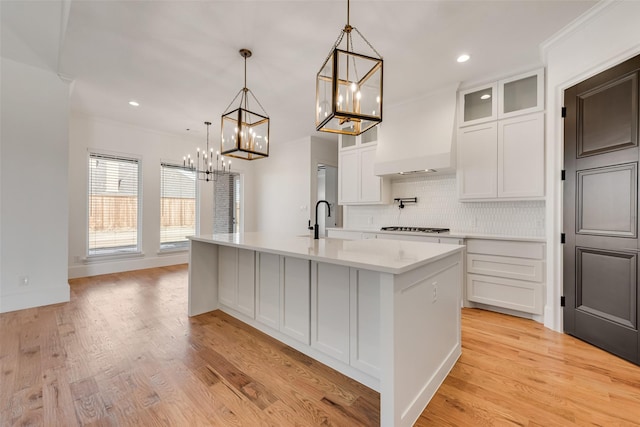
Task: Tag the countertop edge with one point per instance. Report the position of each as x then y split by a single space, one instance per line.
381 269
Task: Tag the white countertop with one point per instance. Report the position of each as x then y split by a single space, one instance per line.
452 234
388 256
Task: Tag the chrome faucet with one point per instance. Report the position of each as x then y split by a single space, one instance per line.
315 226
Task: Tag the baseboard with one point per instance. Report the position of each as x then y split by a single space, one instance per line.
95 268
35 297
502 310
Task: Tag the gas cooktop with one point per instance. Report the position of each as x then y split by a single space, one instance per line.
416 229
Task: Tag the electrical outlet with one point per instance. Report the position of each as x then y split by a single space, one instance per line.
23 280
434 292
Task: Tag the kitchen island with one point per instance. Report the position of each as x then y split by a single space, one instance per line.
385 313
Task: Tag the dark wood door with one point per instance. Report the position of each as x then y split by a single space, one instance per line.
601 211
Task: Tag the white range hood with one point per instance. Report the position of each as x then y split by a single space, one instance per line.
419 135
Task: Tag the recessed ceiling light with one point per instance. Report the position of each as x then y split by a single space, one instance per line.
463 58
485 96
133 103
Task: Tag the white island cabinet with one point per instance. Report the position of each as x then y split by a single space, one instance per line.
383 312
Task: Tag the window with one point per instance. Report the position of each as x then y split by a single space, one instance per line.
114 205
227 205
178 206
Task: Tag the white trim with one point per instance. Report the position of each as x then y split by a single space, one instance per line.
554 207
573 26
129 264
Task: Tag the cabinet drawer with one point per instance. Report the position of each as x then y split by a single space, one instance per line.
511 268
533 250
508 293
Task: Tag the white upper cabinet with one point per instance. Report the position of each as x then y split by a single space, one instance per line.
514 96
521 94
501 142
477 161
357 183
478 105
521 156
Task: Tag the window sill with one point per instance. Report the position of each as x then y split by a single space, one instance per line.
173 251
111 257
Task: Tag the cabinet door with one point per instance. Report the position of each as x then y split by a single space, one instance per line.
246 282
296 290
370 184
227 275
347 141
477 105
522 94
330 310
477 161
521 156
348 176
365 321
268 289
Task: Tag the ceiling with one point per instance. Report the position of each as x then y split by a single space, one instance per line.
180 60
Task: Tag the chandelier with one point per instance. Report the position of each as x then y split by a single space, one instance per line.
349 87
245 133
203 164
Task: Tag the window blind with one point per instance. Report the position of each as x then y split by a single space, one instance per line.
178 206
114 185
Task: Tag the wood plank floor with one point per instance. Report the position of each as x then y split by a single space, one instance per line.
124 353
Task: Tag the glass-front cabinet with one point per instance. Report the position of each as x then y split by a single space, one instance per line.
478 105
369 137
521 94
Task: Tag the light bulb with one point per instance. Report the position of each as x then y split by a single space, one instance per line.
485 96
340 99
358 95
378 99
354 87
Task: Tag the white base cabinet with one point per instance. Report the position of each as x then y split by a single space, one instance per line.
236 279
506 274
330 310
282 294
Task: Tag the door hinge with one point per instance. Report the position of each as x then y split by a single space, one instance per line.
563 174
564 112
563 238
562 302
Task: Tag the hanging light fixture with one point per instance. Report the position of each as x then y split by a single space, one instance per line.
349 88
244 133
204 165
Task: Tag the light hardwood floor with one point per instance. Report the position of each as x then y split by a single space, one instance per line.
123 352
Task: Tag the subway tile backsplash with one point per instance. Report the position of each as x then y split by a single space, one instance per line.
438 206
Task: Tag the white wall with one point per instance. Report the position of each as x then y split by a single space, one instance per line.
33 170
282 188
602 38
285 184
90 133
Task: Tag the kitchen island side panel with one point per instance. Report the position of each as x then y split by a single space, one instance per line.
203 277
420 337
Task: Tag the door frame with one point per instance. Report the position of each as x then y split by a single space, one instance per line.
554 185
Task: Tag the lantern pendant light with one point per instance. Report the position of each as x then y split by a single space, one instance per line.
244 133
349 87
